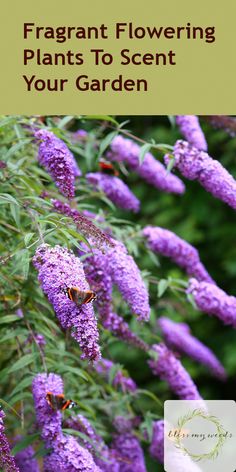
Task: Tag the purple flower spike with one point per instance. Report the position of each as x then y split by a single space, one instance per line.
95 444
191 130
69 456
103 368
214 301
150 170
7 462
117 267
115 189
25 460
126 275
49 421
128 450
168 244
170 369
84 224
198 165
119 328
59 269
60 163
157 445
177 337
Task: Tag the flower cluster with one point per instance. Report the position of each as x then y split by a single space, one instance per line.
178 337
55 156
126 275
7 462
170 369
150 169
115 189
128 450
227 123
119 328
85 225
102 455
59 269
66 455
119 268
157 443
104 366
191 130
214 301
168 244
26 461
198 165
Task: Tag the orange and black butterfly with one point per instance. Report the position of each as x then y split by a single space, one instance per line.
80 297
107 167
58 402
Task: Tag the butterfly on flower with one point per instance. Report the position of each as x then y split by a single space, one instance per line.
80 297
58 402
107 167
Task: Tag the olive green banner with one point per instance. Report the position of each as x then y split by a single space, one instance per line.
126 57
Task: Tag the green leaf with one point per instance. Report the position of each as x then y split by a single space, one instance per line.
101 118
143 150
162 286
28 237
23 443
25 382
64 121
7 198
22 362
171 164
16 147
15 213
106 142
8 319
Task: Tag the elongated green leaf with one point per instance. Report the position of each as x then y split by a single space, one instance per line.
22 362
162 286
22 385
106 142
101 118
8 319
143 151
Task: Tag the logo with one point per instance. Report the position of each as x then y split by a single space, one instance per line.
200 435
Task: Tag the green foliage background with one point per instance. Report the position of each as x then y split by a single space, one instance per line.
196 216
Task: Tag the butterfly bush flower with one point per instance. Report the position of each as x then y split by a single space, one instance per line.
60 163
227 123
96 271
168 244
177 461
150 169
126 275
129 452
214 301
156 448
119 328
26 461
67 455
39 339
102 455
198 165
119 268
84 224
191 130
170 369
178 338
115 189
59 269
7 462
103 368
